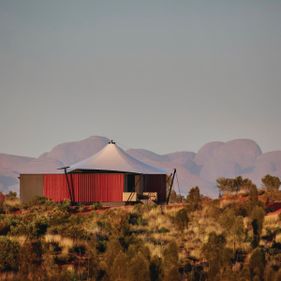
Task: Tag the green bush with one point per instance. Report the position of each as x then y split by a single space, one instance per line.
34 228
97 205
78 249
4 226
55 247
163 230
9 254
135 219
62 259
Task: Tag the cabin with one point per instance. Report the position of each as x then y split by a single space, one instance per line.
111 175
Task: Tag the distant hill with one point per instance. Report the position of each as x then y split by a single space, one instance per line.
215 159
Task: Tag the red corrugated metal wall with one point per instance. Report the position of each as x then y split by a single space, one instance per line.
156 183
55 188
87 187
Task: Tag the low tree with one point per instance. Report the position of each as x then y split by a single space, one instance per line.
118 270
223 185
257 264
233 225
181 219
31 258
217 255
170 254
257 218
271 182
171 262
113 248
253 193
172 273
9 254
229 184
156 269
193 200
138 269
233 184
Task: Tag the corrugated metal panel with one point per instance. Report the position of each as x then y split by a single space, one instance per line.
99 187
156 183
55 187
87 187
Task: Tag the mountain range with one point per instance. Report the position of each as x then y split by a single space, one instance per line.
215 159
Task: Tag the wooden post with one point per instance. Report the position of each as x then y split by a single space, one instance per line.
68 184
171 186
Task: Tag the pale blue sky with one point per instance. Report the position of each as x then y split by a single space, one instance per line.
162 75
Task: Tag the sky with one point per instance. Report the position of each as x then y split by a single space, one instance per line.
161 75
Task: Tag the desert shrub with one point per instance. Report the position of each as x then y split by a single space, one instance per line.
114 222
118 269
37 201
181 219
217 255
78 249
58 215
11 195
9 254
4 226
135 218
64 205
97 205
138 269
156 269
101 242
55 247
126 240
193 200
138 248
104 226
75 232
257 264
213 209
142 208
31 257
63 259
257 218
34 228
11 208
163 230
172 273
2 210
175 198
64 275
113 247
226 218
94 272
271 182
170 254
71 227
40 227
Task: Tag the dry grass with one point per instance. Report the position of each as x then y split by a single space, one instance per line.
65 243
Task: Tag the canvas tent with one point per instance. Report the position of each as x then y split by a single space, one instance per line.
111 175
114 158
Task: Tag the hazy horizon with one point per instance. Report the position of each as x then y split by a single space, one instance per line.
161 75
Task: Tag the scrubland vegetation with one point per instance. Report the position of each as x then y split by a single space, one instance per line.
235 237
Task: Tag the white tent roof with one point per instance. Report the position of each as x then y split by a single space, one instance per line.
113 158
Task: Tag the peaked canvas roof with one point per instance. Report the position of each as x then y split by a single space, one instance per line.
114 158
